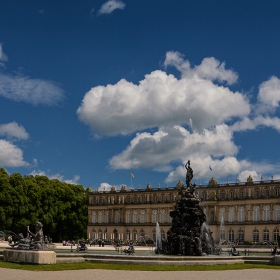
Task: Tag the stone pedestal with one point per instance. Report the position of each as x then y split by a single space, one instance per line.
26 256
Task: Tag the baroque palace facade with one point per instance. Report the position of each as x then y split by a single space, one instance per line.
248 211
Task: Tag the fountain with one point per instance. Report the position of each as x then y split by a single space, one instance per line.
189 234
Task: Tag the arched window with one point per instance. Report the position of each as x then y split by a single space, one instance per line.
171 197
100 217
266 235
155 198
275 235
154 216
142 217
100 234
94 234
162 216
94 217
231 214
106 217
127 234
134 234
222 214
116 234
276 213
255 236
241 235
256 214
163 198
231 236
135 216
127 217
241 214
266 213
142 233
117 217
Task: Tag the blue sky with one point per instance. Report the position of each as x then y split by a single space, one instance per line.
92 90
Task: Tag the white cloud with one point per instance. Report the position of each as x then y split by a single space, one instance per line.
11 155
169 144
268 96
13 130
107 187
3 56
111 5
160 100
58 176
209 69
34 91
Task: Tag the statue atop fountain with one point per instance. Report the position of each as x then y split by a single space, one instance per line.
188 234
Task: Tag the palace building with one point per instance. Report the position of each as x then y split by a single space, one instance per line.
248 211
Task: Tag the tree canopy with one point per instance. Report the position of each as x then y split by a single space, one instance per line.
59 206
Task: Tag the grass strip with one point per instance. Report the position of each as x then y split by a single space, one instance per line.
138 267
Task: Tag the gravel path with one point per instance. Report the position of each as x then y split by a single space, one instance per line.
97 274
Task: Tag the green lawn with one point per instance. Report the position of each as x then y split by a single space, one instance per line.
88 265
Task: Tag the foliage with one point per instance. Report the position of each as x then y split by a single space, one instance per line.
61 207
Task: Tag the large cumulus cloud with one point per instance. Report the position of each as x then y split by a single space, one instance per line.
161 99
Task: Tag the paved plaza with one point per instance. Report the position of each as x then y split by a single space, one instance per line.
98 274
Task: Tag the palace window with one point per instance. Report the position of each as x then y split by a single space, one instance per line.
100 234
162 216
155 198
135 235
171 197
266 193
117 217
100 217
135 199
154 235
275 235
241 235
257 193
256 236
231 215
100 200
163 198
256 214
204 195
154 216
241 194
128 199
277 192
127 217
222 195
142 217
127 234
231 236
93 217
135 217
222 214
143 199
94 234
142 233
231 194
276 213
106 217
116 234
265 235
266 213
241 214
94 200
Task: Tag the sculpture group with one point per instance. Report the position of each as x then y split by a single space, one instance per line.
33 241
188 234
